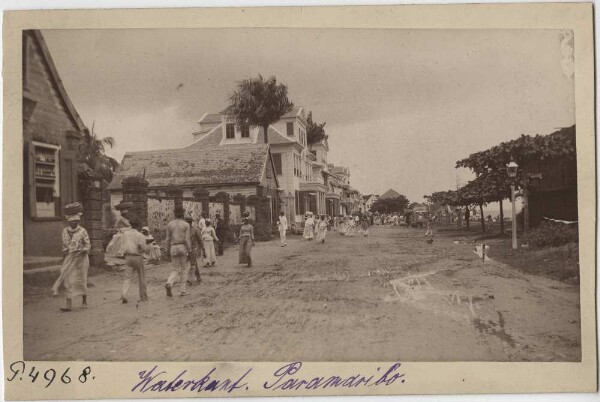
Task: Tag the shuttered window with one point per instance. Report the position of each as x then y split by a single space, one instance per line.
277 163
245 131
43 180
230 130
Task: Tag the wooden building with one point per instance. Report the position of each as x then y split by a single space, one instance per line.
51 132
552 182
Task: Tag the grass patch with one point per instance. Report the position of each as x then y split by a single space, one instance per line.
560 263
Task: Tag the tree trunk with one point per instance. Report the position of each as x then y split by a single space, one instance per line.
501 217
467 218
525 207
266 130
482 218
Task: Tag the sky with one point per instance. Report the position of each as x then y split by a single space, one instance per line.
400 106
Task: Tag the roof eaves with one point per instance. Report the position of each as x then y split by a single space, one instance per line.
59 85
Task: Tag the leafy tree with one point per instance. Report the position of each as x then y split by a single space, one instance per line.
92 155
387 205
490 165
259 102
314 132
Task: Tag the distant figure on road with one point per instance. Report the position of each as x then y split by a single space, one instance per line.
209 237
282 226
342 226
490 222
309 227
429 224
321 229
135 245
365 227
221 228
350 229
246 242
178 247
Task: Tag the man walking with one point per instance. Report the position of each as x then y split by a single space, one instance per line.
178 247
282 225
195 252
134 246
220 229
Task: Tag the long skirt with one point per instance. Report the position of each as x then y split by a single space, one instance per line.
245 250
321 233
209 249
309 233
73 275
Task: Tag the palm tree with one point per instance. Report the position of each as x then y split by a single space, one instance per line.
92 155
259 102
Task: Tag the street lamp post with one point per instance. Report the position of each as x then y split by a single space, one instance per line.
512 168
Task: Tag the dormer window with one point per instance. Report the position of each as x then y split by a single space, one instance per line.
245 131
230 130
290 129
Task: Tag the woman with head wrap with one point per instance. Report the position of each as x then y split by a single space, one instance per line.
74 270
246 242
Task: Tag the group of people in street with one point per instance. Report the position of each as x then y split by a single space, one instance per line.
185 244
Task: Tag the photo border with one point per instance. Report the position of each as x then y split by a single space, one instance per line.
115 380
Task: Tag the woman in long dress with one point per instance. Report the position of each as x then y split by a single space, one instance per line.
365 227
74 270
350 229
309 227
246 242
209 237
321 230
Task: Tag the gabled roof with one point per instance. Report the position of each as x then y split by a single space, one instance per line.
390 194
297 111
210 139
211 118
275 137
62 93
235 164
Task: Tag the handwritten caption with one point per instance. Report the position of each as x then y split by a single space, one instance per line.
20 372
286 378
289 377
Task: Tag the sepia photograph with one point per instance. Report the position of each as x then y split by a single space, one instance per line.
300 194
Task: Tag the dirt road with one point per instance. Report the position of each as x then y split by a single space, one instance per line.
389 296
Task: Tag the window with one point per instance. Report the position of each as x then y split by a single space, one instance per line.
297 166
44 180
230 130
245 131
290 129
300 136
277 163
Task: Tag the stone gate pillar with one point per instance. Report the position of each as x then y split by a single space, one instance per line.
262 208
202 196
176 194
241 200
135 190
223 198
91 189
